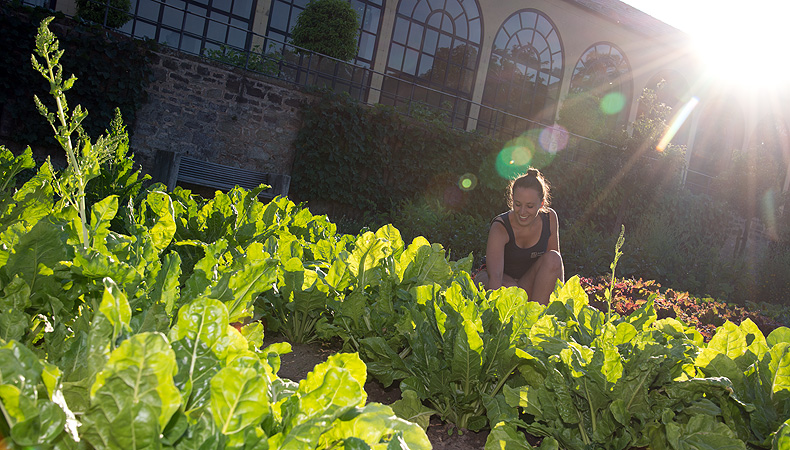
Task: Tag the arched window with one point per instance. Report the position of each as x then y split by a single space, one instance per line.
524 74
435 44
283 14
603 72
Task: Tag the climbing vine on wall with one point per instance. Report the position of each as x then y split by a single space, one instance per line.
369 158
112 70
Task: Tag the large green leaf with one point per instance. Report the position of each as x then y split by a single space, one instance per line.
729 340
134 394
504 436
252 273
780 367
365 262
115 307
36 253
702 433
467 360
163 226
239 399
102 214
200 326
374 424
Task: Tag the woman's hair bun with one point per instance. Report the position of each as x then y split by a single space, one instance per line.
533 172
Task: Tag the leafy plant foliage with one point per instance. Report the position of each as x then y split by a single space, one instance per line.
328 27
109 340
113 72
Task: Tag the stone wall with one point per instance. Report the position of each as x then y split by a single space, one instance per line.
217 113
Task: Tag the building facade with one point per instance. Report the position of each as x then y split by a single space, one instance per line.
496 64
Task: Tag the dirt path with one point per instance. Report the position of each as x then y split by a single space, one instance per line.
297 364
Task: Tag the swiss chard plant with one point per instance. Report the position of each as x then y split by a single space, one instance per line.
110 339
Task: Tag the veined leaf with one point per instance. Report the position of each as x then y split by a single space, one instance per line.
504 436
780 367
376 425
571 294
366 259
238 399
115 307
729 340
703 433
410 408
164 226
467 361
134 397
392 236
781 334
145 365
102 214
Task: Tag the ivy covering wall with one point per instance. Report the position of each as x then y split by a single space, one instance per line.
356 159
112 70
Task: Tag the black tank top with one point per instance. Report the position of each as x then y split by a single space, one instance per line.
518 260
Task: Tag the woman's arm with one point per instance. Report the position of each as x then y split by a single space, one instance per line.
495 254
554 239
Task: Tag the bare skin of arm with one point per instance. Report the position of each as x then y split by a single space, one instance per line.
495 255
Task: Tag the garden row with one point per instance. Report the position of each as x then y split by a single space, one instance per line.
132 317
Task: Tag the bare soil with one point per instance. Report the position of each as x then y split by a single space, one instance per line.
443 436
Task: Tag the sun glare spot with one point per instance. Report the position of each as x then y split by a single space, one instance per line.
612 103
467 182
553 139
677 122
740 43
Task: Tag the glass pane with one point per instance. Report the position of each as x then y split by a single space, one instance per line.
242 8
279 16
501 41
301 3
554 41
372 18
168 37
422 11
436 4
190 45
410 61
195 23
447 24
431 40
406 7
367 46
148 10
396 57
474 30
444 41
426 63
512 26
173 16
144 30
544 26
237 38
415 36
222 5
462 28
401 30
435 20
454 8
528 19
217 32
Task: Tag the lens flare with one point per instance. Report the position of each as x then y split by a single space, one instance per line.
676 123
553 139
769 215
612 103
514 159
467 182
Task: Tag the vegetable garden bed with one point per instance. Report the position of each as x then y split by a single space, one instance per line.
132 317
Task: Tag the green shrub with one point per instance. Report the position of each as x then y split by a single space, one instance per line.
111 13
458 232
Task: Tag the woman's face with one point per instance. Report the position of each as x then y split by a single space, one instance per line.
526 204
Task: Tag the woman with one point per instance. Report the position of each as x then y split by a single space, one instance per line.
523 243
